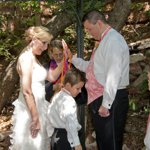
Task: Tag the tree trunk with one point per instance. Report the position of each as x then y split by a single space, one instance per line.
58 23
120 13
9 79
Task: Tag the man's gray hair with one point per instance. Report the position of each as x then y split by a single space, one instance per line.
93 16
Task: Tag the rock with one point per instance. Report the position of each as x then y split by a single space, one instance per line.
2 137
135 69
136 58
124 147
138 82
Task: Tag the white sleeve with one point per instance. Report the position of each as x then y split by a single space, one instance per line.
79 63
113 69
49 127
72 125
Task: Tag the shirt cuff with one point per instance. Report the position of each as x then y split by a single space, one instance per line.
106 104
75 142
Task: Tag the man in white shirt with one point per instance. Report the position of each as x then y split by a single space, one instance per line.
107 75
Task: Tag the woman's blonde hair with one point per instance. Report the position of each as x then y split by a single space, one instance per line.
39 32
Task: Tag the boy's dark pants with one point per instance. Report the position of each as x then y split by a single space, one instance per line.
59 140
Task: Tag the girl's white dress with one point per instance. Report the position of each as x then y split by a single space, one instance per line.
21 137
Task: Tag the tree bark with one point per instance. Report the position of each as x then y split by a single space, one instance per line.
59 22
120 13
9 79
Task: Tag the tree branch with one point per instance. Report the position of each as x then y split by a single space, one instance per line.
119 14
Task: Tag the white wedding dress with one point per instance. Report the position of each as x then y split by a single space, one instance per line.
21 137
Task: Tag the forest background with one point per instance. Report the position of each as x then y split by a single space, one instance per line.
130 17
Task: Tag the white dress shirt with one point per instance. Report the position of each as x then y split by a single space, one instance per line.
62 113
111 65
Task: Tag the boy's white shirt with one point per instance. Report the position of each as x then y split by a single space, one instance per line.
62 113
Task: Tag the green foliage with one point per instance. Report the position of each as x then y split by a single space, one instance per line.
11 40
30 21
69 35
70 6
8 42
146 109
148 13
93 4
26 5
133 103
137 6
34 5
144 86
2 18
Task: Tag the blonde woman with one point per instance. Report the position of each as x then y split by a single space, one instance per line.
29 118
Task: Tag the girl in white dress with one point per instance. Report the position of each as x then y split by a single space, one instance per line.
30 118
